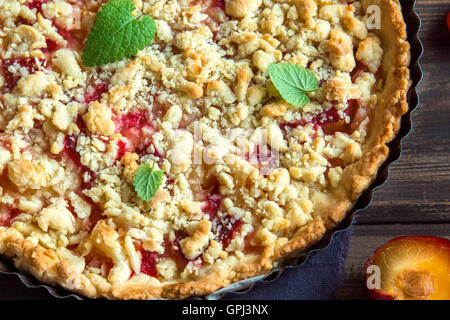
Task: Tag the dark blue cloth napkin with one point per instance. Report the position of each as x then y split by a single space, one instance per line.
319 278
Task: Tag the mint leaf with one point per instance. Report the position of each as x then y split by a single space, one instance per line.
293 82
117 34
147 181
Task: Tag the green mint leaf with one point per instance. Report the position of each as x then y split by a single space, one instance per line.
147 181
293 82
117 34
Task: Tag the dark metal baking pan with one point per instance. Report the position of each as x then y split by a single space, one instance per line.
413 26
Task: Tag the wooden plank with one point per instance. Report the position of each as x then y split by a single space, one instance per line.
366 239
419 185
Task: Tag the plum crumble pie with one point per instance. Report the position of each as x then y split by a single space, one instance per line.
186 165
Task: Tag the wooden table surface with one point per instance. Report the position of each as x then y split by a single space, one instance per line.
415 200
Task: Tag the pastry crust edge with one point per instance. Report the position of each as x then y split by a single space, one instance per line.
45 265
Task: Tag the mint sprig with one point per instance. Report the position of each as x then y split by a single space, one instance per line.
293 82
117 34
147 181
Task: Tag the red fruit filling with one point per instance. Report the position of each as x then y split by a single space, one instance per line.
336 162
219 4
172 250
81 124
96 260
95 93
73 41
186 120
357 115
132 120
264 157
148 263
159 107
214 6
122 149
215 9
224 227
137 128
36 4
95 216
96 212
358 69
70 144
30 65
157 154
8 216
52 46
330 121
212 203
209 6
329 116
322 82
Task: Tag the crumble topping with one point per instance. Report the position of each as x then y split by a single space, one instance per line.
244 170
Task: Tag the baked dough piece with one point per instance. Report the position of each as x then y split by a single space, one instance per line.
230 207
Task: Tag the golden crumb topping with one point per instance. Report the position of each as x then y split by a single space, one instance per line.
244 170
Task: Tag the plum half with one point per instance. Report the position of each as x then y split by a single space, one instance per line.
410 268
